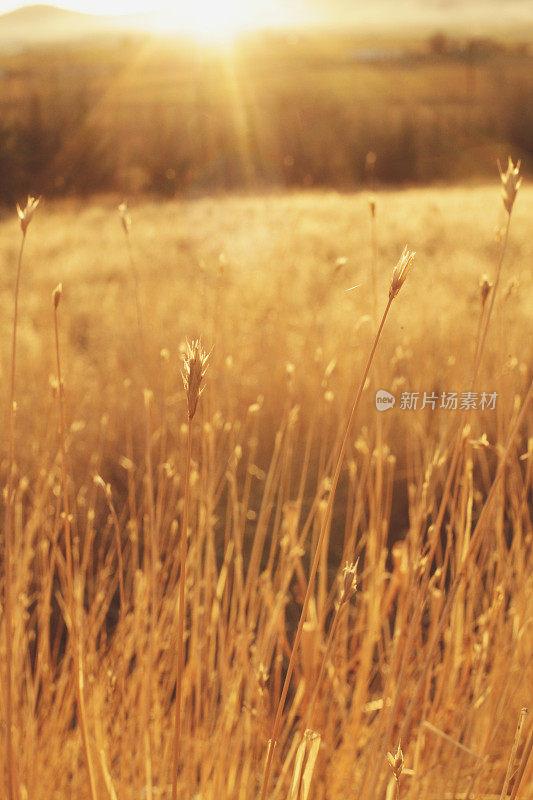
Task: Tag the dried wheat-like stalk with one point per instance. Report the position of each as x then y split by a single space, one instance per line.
348 590
396 765
511 181
512 757
194 369
125 220
74 633
25 216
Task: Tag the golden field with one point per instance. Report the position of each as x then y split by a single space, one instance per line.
433 652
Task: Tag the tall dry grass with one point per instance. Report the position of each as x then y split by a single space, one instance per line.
192 546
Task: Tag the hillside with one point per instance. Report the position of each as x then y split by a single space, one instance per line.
43 23
477 15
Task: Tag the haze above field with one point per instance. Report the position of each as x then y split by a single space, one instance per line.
222 19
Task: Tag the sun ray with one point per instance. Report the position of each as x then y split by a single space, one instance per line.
208 21
241 121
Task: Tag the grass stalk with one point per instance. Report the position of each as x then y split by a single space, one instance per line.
526 755
329 643
194 369
126 226
153 549
512 757
75 641
181 620
8 528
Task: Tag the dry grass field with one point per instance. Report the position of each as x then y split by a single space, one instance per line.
433 651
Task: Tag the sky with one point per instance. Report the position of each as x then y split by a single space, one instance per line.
235 15
110 7
210 17
189 14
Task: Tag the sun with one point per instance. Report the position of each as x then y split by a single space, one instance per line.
209 21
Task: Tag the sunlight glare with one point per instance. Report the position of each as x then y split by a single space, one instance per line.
209 21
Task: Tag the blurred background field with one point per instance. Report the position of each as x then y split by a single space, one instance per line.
134 113
263 281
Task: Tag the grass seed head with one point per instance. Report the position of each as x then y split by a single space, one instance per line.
99 481
400 272
125 217
511 180
262 678
396 762
58 291
484 287
25 214
349 582
194 369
